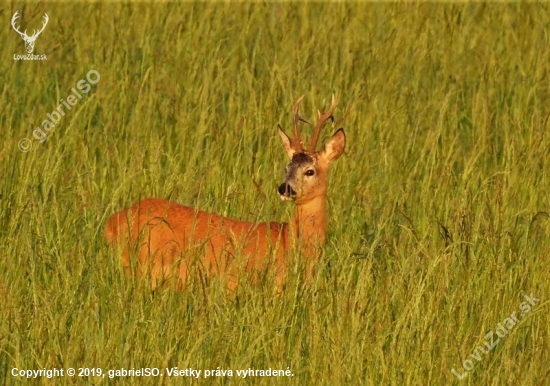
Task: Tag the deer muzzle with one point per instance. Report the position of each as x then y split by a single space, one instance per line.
286 192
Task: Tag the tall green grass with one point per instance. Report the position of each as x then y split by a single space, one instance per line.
437 210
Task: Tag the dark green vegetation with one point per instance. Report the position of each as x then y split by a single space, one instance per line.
437 210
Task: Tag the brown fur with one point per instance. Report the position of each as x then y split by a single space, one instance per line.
166 230
167 235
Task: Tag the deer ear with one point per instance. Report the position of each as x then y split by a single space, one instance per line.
286 142
334 147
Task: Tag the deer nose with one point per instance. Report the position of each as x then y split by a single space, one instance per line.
286 190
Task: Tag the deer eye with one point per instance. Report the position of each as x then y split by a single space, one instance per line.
310 172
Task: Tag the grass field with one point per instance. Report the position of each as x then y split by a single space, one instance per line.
438 210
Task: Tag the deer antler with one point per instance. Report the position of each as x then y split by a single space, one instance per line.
296 142
13 19
321 120
24 34
44 23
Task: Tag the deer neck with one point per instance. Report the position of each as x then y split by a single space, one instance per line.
309 224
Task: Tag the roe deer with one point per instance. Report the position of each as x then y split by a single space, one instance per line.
167 235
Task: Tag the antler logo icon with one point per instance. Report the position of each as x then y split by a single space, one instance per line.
29 40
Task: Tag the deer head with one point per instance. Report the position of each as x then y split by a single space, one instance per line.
29 40
307 172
